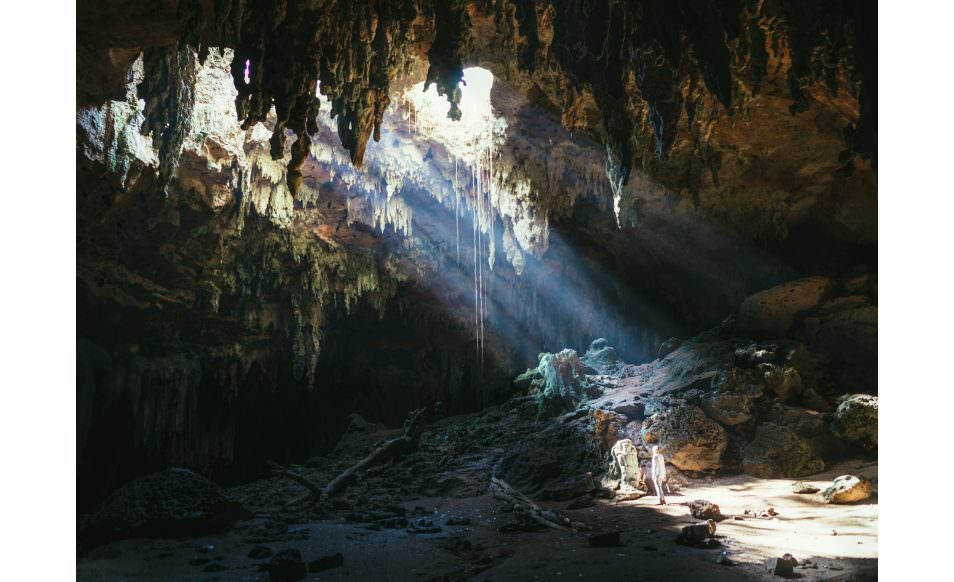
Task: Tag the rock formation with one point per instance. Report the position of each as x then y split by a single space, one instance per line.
267 241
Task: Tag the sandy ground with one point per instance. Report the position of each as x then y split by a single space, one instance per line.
804 527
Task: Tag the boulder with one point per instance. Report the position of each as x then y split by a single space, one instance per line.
810 425
856 419
727 408
702 509
778 451
848 489
783 567
602 357
739 380
667 347
751 355
771 313
688 438
847 329
812 399
626 468
174 502
782 352
563 385
558 462
784 381
732 396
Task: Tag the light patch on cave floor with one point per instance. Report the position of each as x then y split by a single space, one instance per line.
474 133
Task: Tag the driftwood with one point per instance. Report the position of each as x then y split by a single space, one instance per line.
413 427
553 519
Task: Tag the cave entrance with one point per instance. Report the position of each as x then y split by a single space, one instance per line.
426 114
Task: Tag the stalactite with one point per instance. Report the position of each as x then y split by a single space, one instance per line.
168 87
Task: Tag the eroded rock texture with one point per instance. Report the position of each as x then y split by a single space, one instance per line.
252 266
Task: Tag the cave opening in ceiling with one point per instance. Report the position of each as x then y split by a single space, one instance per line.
469 138
304 233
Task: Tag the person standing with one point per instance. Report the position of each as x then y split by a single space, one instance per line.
658 472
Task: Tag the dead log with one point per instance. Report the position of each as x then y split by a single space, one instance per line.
413 427
314 491
500 489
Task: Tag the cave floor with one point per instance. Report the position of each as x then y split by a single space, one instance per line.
447 478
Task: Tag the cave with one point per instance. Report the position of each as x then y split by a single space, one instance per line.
476 290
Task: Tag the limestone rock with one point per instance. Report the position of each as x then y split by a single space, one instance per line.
173 502
803 488
812 399
771 313
733 395
626 459
856 419
728 408
557 462
563 385
688 439
785 381
696 533
751 355
847 329
778 451
602 357
783 567
810 425
848 489
667 347
702 509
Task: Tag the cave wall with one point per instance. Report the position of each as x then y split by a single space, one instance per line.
248 275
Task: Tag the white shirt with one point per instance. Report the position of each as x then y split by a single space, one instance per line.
659 467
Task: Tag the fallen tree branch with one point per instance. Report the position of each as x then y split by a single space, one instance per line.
500 489
413 427
313 489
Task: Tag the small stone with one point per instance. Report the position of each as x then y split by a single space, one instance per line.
803 488
423 525
696 533
604 540
702 509
326 563
783 567
723 559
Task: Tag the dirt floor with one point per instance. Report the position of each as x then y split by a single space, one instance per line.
445 481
